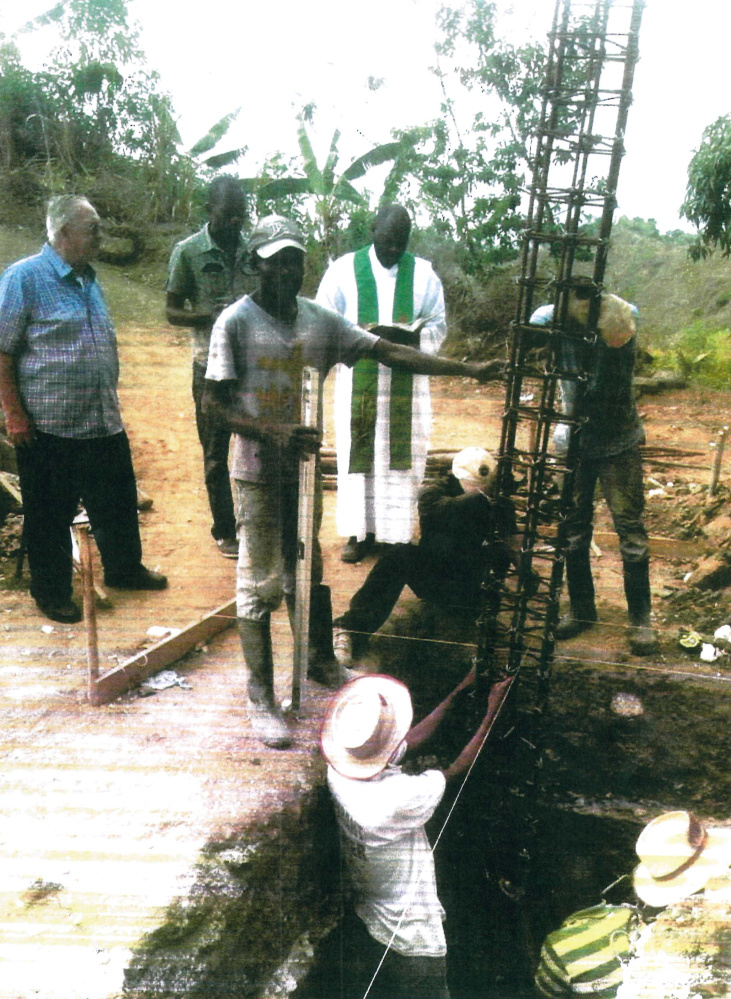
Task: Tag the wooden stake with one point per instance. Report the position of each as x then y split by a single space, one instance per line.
720 443
87 582
310 416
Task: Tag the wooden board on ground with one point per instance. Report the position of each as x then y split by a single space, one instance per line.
661 547
132 672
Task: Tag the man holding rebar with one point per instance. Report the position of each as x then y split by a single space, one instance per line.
393 942
383 417
259 348
464 530
608 451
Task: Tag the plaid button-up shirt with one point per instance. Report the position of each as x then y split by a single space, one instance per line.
57 327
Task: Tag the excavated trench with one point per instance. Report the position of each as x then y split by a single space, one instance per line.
621 745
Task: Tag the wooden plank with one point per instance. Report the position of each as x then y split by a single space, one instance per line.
132 672
662 547
9 484
310 414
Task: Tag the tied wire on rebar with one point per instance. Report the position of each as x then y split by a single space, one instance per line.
578 151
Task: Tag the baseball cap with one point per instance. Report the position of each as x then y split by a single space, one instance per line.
274 233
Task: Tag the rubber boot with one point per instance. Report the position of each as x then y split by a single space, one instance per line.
582 609
322 666
264 714
641 635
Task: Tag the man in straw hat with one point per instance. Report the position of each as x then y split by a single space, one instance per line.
457 515
608 451
259 347
679 855
395 938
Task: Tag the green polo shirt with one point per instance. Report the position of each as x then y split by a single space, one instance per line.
201 273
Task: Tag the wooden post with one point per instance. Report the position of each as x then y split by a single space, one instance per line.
720 443
310 413
87 582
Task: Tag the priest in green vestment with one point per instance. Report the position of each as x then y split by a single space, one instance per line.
383 417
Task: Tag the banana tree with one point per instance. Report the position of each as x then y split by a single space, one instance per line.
330 190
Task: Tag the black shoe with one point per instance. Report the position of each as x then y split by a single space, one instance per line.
228 547
139 578
65 611
355 551
352 552
572 624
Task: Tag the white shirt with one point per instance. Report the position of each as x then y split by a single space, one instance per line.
384 502
389 860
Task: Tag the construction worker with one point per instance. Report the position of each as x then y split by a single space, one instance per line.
464 529
393 942
609 452
259 348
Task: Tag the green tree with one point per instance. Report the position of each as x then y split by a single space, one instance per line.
334 194
467 167
708 195
96 119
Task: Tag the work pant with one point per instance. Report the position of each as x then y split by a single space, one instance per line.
56 473
399 977
214 436
621 483
266 519
399 566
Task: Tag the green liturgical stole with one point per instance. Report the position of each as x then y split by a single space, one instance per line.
365 372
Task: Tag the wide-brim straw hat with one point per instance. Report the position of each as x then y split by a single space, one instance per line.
365 722
678 856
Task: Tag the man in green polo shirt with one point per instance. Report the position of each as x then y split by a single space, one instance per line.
206 273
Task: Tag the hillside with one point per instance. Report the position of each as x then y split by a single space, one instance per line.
684 305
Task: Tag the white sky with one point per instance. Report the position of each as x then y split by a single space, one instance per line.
270 59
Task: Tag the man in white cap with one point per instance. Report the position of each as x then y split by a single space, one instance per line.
608 451
464 530
395 945
259 348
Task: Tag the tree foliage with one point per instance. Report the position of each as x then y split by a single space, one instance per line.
708 195
96 119
334 196
467 167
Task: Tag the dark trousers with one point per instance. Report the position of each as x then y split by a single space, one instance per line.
371 605
214 436
352 969
620 478
404 565
56 473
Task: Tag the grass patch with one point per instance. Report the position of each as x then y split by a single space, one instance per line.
701 352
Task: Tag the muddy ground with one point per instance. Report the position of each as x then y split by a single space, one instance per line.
97 800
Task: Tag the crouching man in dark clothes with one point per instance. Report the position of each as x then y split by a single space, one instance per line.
394 945
457 516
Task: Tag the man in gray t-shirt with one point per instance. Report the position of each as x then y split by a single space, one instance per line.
259 347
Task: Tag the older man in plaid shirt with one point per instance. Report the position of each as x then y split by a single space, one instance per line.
58 390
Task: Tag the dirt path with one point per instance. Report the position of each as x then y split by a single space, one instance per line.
139 786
